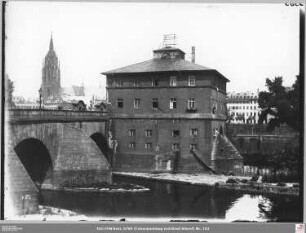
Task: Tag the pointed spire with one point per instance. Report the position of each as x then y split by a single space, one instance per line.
51 44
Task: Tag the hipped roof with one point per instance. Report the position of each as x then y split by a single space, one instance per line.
161 65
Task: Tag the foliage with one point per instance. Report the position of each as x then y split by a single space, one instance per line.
229 116
286 157
281 104
9 88
240 117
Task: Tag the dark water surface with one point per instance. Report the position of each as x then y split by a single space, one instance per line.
176 201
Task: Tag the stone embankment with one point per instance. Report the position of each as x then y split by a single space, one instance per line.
242 184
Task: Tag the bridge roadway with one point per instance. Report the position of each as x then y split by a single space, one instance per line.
45 115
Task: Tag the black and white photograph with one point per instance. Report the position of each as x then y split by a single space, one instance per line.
153 112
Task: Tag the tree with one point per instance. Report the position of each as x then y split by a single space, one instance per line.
240 117
9 88
229 116
281 104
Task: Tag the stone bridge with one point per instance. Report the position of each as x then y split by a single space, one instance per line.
50 149
256 139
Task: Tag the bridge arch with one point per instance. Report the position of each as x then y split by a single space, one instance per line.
35 158
102 143
241 143
255 145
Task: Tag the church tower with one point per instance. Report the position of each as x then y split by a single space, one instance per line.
51 78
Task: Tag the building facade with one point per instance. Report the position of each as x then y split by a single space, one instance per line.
243 107
164 108
51 76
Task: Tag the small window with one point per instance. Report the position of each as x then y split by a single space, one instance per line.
132 132
194 132
149 133
175 146
173 81
120 103
136 103
193 146
132 145
172 103
154 83
136 83
175 133
191 103
214 109
155 103
148 146
191 80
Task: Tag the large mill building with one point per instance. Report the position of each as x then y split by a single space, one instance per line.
168 114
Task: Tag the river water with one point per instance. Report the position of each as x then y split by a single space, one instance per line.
172 201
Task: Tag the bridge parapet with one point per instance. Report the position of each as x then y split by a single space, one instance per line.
44 115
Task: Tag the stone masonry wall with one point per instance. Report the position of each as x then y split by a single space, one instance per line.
20 193
75 157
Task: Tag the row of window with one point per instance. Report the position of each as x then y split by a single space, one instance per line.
243 97
175 133
149 146
245 114
154 102
155 82
241 102
243 107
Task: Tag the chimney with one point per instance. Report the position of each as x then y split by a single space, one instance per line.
193 54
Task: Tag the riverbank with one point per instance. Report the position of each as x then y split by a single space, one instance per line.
241 184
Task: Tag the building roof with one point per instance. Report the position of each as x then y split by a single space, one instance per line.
160 65
78 90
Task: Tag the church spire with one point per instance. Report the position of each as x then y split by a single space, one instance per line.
51 44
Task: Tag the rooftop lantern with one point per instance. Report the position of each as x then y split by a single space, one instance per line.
169 51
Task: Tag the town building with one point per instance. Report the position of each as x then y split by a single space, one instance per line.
243 107
168 114
53 95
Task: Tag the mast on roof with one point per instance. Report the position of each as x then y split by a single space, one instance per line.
169 40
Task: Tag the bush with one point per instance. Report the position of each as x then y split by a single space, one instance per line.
265 178
281 184
231 181
254 178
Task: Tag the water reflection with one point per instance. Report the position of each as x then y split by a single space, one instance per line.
171 201
249 207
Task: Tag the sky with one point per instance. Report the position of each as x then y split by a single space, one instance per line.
247 43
